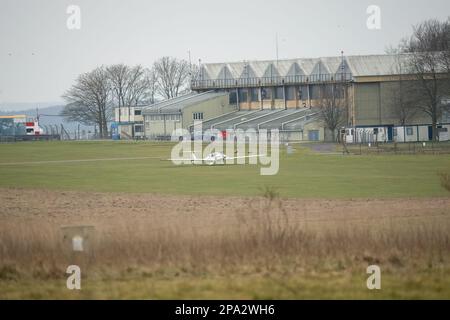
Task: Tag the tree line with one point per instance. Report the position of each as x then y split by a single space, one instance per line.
94 95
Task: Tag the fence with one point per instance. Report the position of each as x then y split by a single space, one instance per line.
429 147
269 81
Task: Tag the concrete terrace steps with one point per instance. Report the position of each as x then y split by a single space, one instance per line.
253 123
257 119
225 117
248 115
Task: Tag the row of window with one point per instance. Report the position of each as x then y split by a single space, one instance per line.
410 130
166 117
291 93
159 117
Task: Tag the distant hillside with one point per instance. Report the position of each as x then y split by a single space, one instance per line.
48 116
15 106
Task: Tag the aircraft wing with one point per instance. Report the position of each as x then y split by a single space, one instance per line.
185 159
243 157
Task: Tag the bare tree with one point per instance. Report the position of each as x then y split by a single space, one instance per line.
118 75
333 106
403 92
404 101
194 72
193 75
131 86
89 100
172 76
428 50
152 85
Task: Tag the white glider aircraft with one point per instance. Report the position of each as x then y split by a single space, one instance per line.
214 158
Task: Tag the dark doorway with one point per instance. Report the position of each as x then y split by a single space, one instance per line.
390 133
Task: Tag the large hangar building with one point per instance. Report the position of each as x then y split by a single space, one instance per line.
284 95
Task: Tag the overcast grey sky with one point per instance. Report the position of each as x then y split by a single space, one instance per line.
40 57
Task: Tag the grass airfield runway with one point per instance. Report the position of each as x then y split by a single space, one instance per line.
221 231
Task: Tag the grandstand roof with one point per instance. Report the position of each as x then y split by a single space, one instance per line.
175 105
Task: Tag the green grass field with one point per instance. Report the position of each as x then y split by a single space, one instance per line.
270 251
324 285
302 174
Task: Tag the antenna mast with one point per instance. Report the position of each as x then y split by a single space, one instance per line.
276 45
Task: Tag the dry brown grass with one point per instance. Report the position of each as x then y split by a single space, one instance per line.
264 237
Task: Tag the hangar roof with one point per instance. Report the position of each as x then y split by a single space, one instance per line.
377 65
357 66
